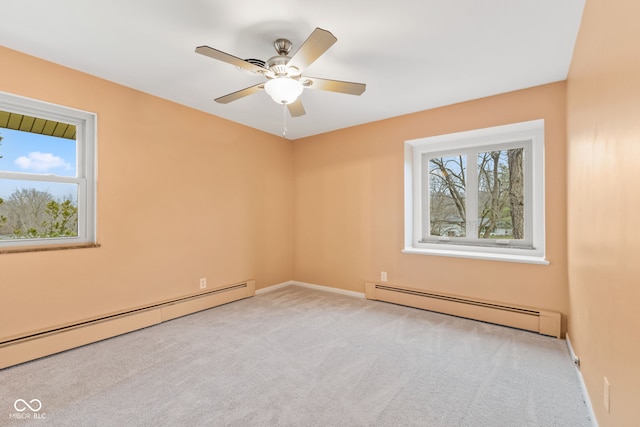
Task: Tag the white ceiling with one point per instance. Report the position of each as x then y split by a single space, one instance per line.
412 54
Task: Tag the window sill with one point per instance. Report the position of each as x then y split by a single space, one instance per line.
526 259
18 250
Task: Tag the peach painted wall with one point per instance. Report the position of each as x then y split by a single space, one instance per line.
181 195
603 113
348 205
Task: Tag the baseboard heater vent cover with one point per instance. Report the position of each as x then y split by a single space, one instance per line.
531 319
27 347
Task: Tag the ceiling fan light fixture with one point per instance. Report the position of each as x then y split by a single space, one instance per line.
283 90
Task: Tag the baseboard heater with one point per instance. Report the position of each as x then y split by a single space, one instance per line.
54 340
531 319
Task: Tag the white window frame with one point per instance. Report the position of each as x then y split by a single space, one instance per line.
86 148
532 248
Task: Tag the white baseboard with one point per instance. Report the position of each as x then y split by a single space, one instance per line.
310 286
583 387
329 289
273 287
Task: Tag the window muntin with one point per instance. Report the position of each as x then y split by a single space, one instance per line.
47 176
477 192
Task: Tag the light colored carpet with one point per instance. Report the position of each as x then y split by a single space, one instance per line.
301 357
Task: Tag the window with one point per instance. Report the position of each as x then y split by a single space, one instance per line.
477 194
47 173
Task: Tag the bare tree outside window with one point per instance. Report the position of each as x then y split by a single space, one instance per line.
447 193
31 213
501 194
516 191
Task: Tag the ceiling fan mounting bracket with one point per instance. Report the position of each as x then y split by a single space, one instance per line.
283 46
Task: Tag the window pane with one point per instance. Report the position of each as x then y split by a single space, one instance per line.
34 209
501 194
28 152
447 192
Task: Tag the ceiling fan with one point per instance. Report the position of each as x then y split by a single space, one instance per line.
285 81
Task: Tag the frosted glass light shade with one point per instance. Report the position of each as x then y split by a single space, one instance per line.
283 90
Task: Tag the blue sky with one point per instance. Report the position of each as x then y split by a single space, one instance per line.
40 154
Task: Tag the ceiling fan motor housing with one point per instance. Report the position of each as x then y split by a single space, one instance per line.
278 64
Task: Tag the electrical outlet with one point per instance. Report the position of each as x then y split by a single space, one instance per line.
606 395
383 276
203 283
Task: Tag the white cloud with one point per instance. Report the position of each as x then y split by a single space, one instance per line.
41 162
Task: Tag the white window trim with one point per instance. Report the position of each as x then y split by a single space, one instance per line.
86 150
531 130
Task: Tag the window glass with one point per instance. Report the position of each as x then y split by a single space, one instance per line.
447 192
501 195
28 152
33 209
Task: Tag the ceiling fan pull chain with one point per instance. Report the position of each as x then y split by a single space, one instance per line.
284 120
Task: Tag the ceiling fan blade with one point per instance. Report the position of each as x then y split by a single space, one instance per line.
315 45
296 109
230 59
240 94
334 85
